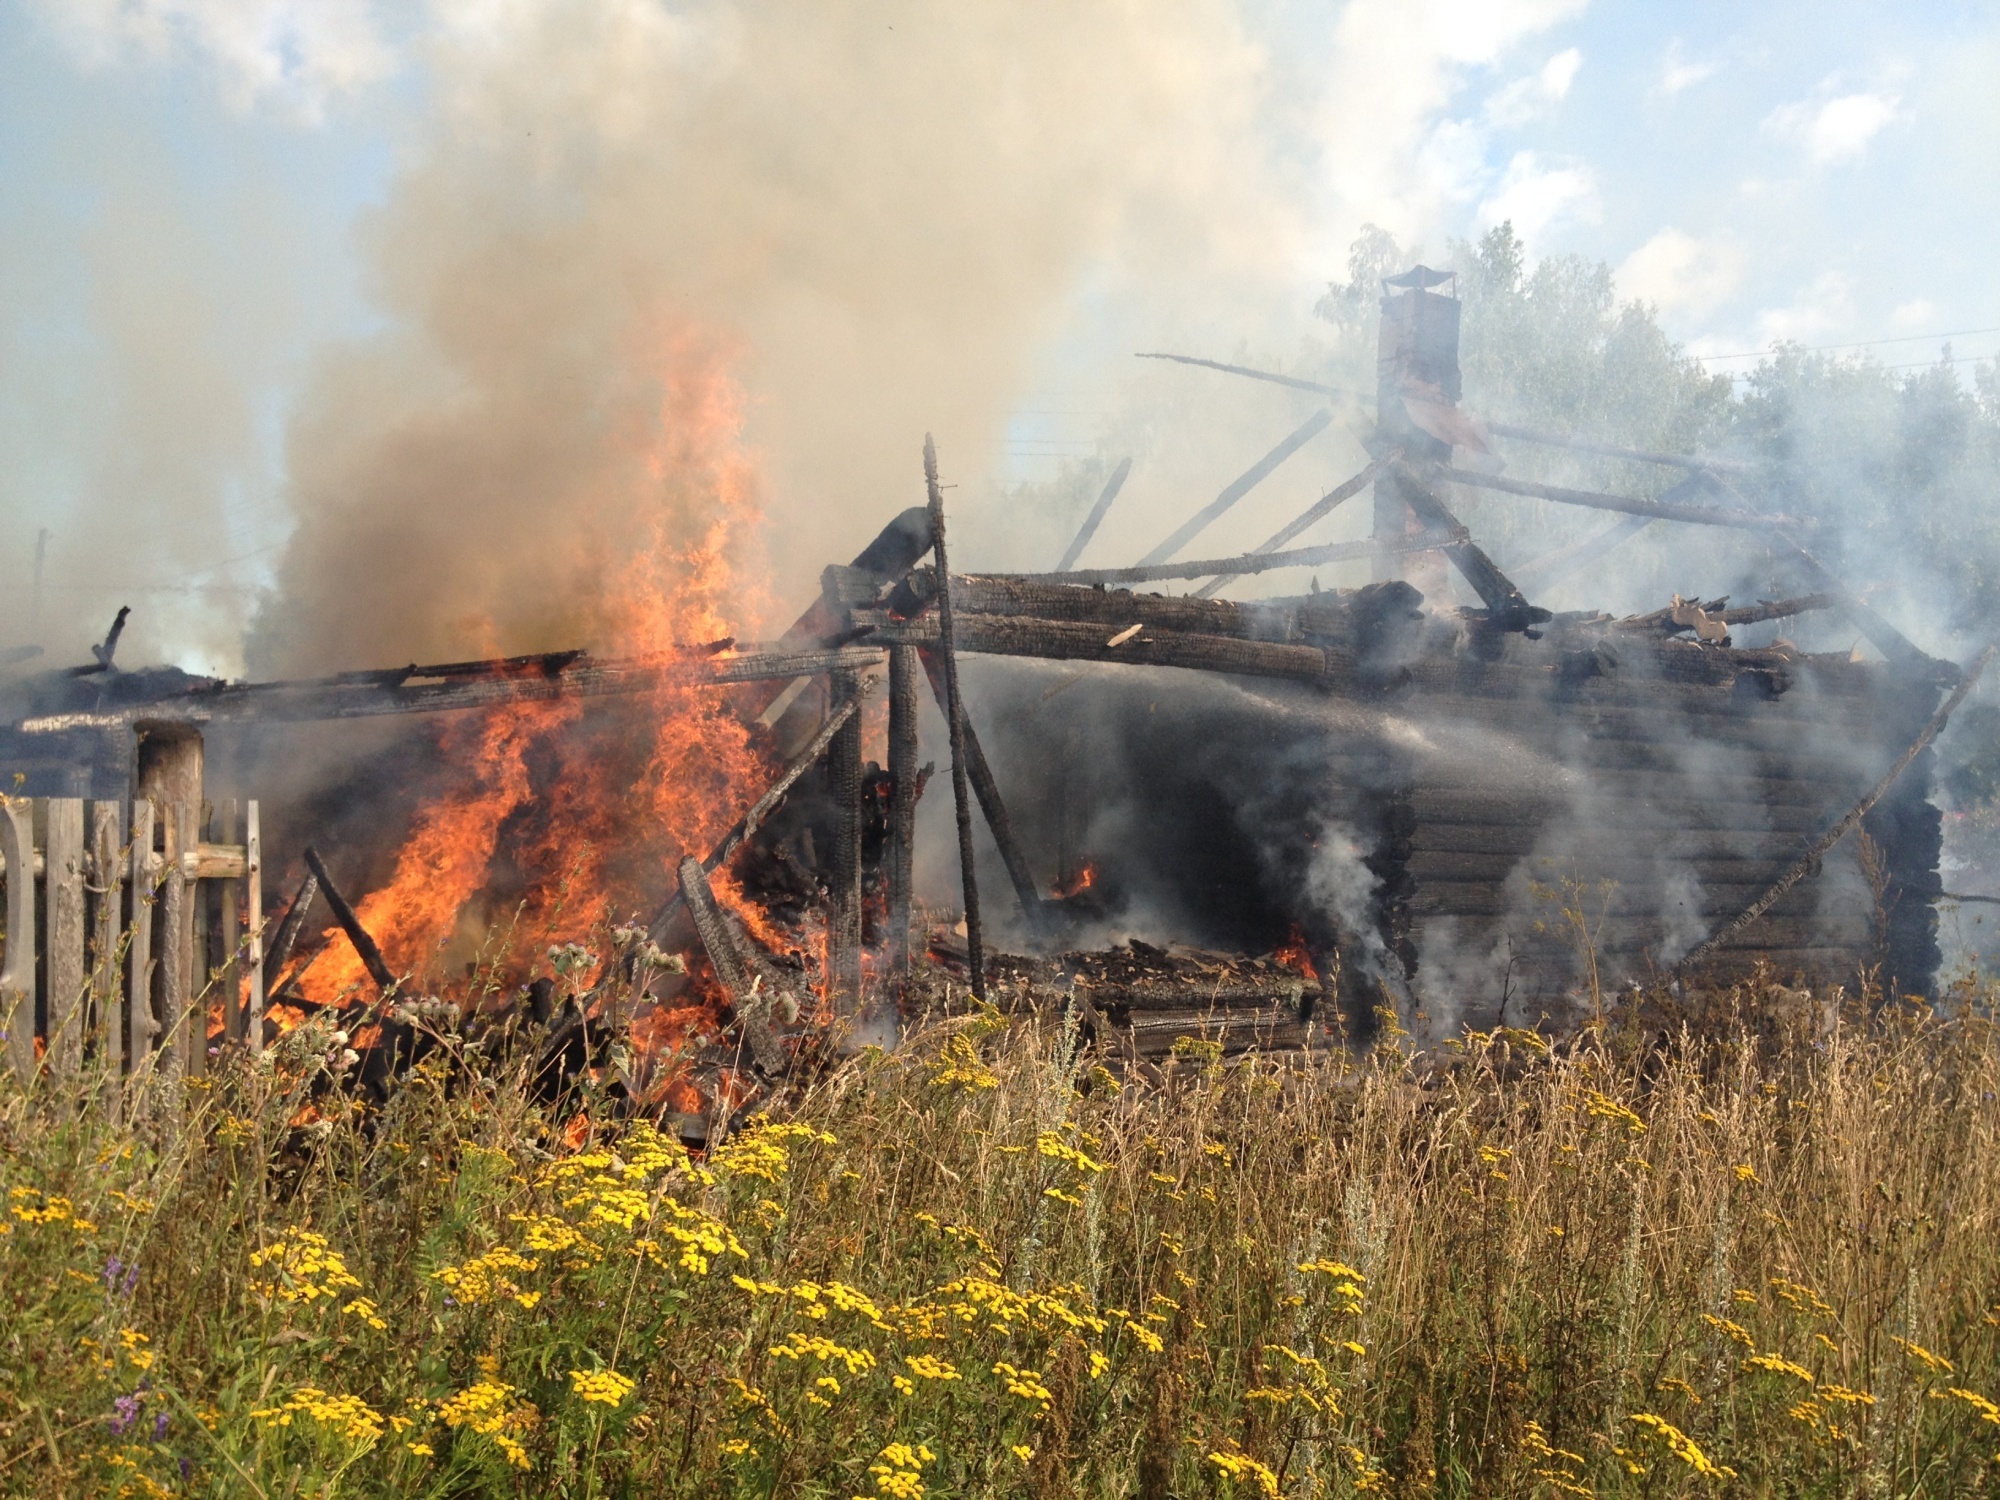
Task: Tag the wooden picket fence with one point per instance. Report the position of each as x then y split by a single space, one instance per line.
128 924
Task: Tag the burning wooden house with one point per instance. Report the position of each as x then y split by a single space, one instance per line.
1480 813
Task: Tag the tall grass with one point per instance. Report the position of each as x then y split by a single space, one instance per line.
1757 1258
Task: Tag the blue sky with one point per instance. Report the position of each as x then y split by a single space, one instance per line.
192 192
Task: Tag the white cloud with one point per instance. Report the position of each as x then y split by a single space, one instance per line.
1836 129
295 53
1525 98
1677 272
1914 314
1537 195
1397 66
1824 306
1679 72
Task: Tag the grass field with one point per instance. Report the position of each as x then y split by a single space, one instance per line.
1753 1257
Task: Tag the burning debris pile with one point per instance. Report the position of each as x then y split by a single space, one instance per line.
1361 803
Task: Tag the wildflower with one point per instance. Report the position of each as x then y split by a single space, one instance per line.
1051 1145
1840 1395
1735 1331
1022 1451
803 1345
132 1344
487 1408
1098 1364
484 1278
367 1312
1988 1412
960 1066
1682 1447
1027 1384
931 1369
1924 1356
1777 1364
735 1447
1745 1172
301 1268
347 1416
1239 1465
606 1387
125 1412
1604 1107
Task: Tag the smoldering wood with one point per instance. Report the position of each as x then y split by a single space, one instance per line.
843 933
986 787
903 787
1320 509
1809 857
1698 515
1749 614
343 913
1494 588
1096 517
746 826
17 971
955 726
66 994
287 935
731 968
1255 475
1886 638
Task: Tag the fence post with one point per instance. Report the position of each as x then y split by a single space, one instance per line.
253 894
106 886
17 975
141 1027
229 919
62 906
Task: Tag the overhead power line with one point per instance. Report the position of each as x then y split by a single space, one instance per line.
1912 338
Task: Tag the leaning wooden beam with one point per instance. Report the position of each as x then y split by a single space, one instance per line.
364 945
253 900
1495 589
1890 641
1252 562
730 967
287 936
955 727
1816 850
1096 517
1319 510
986 787
1245 482
17 975
762 808
1701 515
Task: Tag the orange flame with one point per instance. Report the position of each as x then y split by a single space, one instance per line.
588 818
1082 881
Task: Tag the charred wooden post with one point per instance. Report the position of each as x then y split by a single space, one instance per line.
287 936
175 973
903 775
954 718
371 956
843 926
987 788
17 975
731 968
63 968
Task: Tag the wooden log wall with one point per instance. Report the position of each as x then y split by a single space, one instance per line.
121 949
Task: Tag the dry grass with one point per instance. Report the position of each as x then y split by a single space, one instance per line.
1760 1260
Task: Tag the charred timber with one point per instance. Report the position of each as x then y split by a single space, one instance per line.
1258 562
1015 635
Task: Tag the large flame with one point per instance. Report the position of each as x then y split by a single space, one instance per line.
590 817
